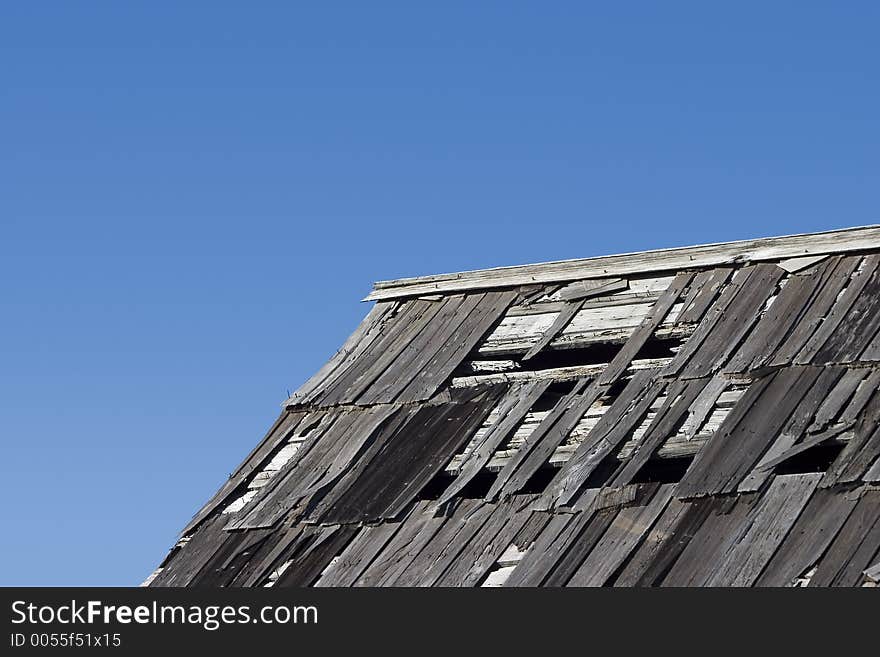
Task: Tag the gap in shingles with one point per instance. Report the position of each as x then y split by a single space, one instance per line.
611 463
598 353
479 485
592 354
608 467
539 481
616 388
658 349
309 427
501 570
663 471
475 489
436 486
603 472
552 395
815 459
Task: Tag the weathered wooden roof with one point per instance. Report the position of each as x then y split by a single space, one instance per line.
699 416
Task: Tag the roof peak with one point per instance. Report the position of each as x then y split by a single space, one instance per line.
705 255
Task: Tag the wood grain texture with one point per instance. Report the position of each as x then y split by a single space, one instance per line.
564 316
806 542
771 521
854 547
621 538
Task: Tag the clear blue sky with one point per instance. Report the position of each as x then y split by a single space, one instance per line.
194 197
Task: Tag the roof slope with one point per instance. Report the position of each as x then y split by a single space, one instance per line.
700 416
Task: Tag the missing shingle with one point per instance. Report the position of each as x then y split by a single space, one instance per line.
658 349
663 470
435 487
479 485
816 459
539 481
592 354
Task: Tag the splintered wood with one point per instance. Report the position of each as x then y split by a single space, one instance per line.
707 416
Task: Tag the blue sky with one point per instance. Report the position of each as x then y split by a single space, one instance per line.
195 196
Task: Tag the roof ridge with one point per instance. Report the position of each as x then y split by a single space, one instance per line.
704 255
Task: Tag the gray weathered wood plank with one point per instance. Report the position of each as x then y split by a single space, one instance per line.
810 536
562 320
621 538
771 521
592 288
